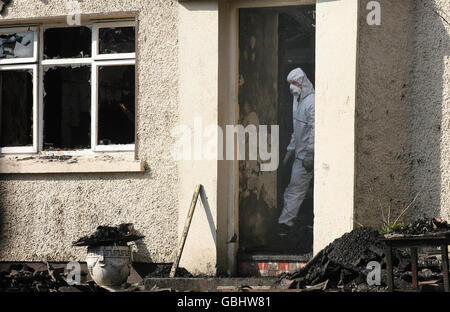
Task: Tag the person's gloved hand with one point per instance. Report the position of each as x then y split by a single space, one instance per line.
288 157
308 164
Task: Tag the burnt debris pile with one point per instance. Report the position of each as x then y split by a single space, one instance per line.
163 270
423 226
344 264
23 278
106 235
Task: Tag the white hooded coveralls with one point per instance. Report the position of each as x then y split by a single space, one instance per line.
302 143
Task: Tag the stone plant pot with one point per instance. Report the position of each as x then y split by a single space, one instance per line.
109 265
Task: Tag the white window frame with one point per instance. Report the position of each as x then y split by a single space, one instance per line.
95 41
94 109
25 149
13 30
94 61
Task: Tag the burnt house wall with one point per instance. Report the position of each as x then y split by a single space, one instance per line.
402 114
258 105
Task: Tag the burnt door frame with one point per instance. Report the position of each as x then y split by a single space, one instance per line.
228 171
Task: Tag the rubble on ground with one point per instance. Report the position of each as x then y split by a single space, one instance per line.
423 226
23 278
106 235
343 265
163 270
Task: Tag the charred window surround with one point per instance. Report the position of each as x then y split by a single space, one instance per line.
74 97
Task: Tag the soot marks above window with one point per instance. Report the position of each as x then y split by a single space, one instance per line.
16 45
67 42
117 40
67 108
116 104
16 108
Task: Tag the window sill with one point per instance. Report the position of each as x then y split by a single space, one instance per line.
68 164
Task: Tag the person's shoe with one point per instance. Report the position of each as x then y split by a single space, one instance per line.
284 231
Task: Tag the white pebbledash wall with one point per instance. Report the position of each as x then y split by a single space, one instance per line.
41 214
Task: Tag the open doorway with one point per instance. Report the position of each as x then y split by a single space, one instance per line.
272 42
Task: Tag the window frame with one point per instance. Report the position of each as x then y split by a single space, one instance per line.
12 30
94 108
33 148
38 64
95 41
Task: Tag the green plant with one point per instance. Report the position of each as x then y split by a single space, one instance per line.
389 226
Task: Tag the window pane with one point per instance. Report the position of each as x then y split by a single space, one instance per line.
67 108
16 45
68 42
16 105
116 40
116 104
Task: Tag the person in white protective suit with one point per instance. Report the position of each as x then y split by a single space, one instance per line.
301 147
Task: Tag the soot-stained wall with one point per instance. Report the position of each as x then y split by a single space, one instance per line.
402 116
258 92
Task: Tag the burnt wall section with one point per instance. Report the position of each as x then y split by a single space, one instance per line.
383 113
258 93
402 119
430 103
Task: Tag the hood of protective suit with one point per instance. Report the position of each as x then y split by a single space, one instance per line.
299 76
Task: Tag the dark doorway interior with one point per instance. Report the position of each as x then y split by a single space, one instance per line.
272 42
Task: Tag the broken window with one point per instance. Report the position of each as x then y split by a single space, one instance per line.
116 87
17 45
18 90
67 108
16 107
67 42
87 83
117 40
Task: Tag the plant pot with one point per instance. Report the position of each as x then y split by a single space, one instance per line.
109 265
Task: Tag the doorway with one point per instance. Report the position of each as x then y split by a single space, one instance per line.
272 42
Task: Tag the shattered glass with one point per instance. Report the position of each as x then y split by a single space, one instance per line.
117 40
116 104
67 108
67 42
16 108
17 45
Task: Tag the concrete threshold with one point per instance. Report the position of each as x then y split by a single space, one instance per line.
207 284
